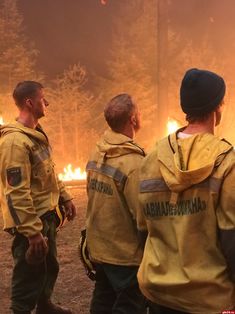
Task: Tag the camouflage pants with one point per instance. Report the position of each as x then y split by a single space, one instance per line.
31 283
117 291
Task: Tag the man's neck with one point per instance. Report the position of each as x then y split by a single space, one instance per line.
129 132
198 128
27 120
207 126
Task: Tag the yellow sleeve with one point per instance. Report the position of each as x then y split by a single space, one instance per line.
64 195
226 209
226 220
141 221
15 177
131 192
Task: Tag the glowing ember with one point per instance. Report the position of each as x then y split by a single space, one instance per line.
172 126
72 174
1 120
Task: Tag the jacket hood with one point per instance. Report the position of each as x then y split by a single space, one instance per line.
115 144
188 161
18 127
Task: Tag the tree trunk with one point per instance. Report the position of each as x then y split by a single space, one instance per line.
62 144
76 133
162 95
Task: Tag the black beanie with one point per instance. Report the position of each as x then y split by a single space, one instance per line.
201 92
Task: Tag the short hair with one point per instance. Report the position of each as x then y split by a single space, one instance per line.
25 89
197 118
118 110
200 117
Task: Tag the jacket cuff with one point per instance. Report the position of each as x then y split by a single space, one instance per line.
64 197
29 230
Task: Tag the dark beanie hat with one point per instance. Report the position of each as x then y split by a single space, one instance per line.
201 92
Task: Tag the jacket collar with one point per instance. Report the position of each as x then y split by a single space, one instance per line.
115 138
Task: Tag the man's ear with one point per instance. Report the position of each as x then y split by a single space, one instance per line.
133 120
28 103
218 114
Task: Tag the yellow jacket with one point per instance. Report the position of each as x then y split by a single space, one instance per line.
110 220
29 185
187 198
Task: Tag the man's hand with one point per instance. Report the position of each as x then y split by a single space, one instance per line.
37 250
70 210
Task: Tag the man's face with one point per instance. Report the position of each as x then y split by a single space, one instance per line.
38 104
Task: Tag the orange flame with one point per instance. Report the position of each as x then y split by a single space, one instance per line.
1 120
172 126
70 174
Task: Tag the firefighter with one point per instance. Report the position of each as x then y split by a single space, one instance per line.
112 238
187 208
30 192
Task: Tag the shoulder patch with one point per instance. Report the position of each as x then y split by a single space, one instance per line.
14 176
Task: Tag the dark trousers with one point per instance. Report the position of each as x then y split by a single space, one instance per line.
32 283
117 291
159 309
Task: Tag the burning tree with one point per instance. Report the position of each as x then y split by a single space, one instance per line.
68 121
17 57
132 63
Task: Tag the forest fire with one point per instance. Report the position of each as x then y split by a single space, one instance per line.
71 174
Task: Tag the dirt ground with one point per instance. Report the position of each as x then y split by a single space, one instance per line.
73 289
